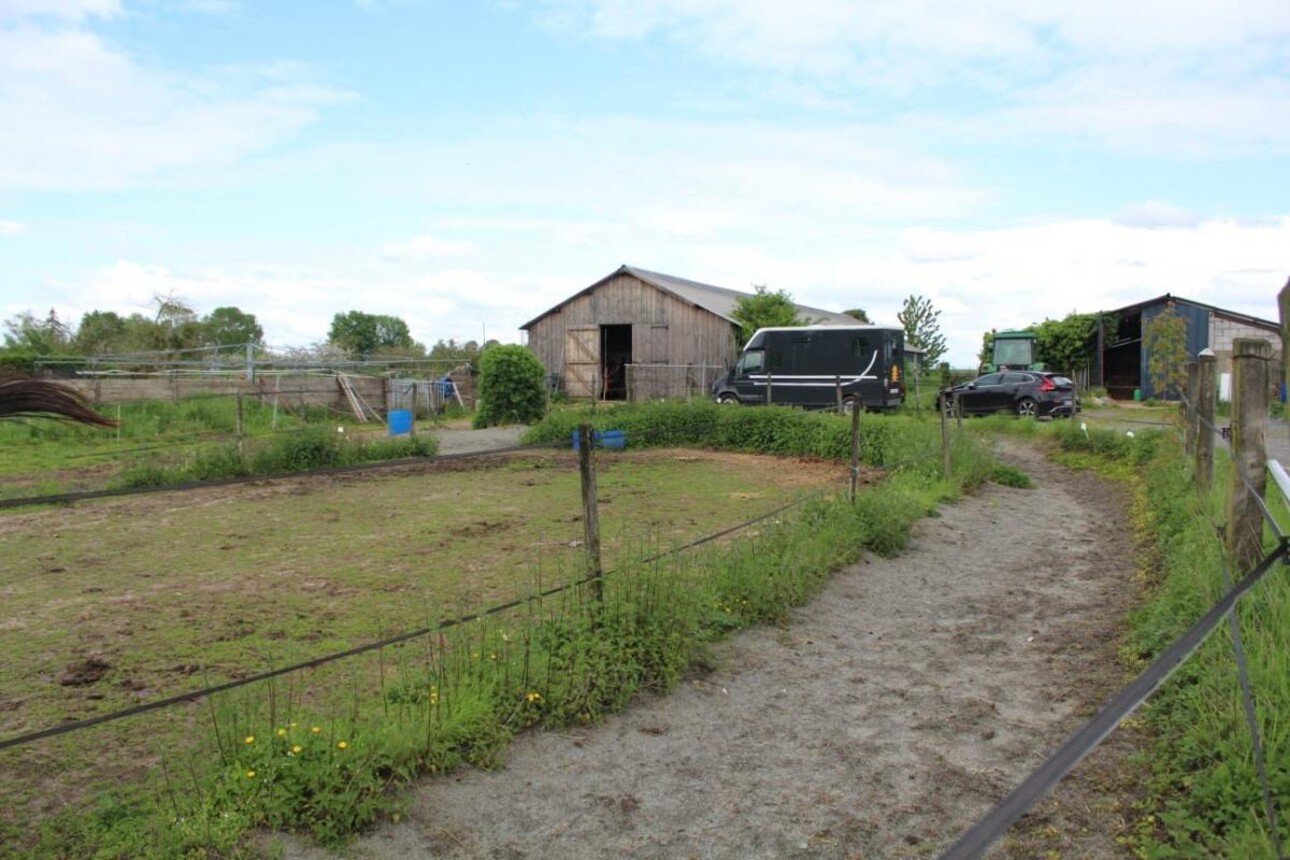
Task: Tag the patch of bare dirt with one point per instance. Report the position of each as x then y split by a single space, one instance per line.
887 717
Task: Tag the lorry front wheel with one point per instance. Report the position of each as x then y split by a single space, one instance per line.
728 399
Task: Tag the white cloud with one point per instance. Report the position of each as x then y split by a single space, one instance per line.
81 114
11 228
65 10
1157 214
1151 75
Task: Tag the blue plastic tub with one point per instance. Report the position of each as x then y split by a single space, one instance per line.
400 422
613 440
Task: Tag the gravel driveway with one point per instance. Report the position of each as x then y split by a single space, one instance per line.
881 721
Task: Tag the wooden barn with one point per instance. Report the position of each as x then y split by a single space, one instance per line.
636 334
1120 361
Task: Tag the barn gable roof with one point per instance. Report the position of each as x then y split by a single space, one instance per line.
716 300
1222 312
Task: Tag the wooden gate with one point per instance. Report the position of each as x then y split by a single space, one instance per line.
582 361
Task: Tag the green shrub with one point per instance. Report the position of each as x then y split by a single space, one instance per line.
512 387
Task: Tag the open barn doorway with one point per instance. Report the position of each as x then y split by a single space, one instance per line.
615 355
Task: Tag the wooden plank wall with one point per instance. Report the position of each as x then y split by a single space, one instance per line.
665 330
311 390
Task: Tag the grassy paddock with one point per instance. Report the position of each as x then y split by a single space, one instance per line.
319 752
161 442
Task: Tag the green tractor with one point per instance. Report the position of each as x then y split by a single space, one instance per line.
1011 350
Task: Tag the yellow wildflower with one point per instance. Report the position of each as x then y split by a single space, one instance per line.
282 733
296 749
342 745
250 739
250 774
315 729
534 697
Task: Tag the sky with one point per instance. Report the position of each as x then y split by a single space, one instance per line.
468 165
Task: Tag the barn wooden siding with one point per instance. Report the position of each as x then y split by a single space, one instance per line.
665 330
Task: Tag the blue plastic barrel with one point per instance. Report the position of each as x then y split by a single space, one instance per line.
400 422
614 440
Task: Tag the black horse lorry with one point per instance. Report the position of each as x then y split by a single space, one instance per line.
805 366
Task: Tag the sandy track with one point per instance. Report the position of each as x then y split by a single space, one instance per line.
880 722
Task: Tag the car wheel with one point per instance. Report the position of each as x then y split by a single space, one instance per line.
728 399
1027 408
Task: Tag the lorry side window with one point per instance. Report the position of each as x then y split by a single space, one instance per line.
860 347
750 362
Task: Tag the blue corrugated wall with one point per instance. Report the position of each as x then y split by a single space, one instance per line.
1197 336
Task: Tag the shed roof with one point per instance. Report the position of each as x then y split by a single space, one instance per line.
717 300
1222 312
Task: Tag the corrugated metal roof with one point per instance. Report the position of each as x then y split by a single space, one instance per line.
1223 312
717 300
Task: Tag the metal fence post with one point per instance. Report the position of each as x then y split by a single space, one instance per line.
770 388
590 514
1250 360
837 381
1206 394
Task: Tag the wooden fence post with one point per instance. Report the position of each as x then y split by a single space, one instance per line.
945 438
1250 360
837 382
770 386
240 451
590 511
1206 394
1187 407
855 447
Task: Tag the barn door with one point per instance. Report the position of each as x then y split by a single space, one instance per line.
582 361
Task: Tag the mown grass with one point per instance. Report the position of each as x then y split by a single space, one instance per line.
1204 792
206 775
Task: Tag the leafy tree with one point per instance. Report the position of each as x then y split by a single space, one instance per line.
231 326
923 328
176 324
763 309
364 334
29 333
1164 338
1066 345
860 314
100 333
511 387
465 353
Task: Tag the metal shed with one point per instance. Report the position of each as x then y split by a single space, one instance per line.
636 334
1120 363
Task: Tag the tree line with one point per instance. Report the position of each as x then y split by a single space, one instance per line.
174 327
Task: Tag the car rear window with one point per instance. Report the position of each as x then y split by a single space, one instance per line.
1063 381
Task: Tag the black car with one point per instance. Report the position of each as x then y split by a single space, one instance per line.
1028 393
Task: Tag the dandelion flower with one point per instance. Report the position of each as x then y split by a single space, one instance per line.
296 749
250 739
282 733
250 774
534 697
342 745
315 729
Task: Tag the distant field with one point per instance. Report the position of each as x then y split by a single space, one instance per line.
128 600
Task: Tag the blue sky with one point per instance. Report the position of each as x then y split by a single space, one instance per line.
467 165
